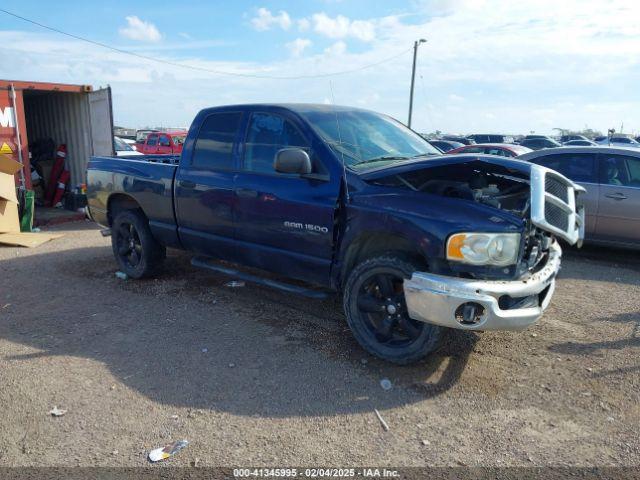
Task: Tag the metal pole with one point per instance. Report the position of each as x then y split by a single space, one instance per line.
413 81
23 183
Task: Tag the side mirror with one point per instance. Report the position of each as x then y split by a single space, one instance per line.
292 160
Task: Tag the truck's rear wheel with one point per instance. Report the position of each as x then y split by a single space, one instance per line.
138 254
377 314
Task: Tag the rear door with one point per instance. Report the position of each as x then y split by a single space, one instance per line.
582 168
101 122
284 222
619 213
204 186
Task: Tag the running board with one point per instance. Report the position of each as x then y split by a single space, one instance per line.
202 262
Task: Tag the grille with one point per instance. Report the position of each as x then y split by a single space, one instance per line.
554 207
556 188
556 216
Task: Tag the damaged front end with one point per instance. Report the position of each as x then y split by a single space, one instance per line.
474 287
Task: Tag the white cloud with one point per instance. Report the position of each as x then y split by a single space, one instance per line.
304 24
140 30
338 48
264 20
343 27
297 47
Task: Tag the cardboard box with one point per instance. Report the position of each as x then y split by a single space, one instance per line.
9 221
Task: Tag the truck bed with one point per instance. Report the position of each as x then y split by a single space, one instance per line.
146 179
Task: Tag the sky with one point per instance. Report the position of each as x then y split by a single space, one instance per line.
488 66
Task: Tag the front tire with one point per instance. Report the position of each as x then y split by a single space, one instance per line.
137 252
377 314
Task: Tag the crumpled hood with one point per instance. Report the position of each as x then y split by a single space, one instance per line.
518 168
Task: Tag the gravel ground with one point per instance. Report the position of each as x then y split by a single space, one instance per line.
253 376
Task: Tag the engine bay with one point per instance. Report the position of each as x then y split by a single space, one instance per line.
476 181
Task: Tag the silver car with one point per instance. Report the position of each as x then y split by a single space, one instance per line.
611 176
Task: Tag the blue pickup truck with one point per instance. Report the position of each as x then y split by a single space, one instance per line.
351 201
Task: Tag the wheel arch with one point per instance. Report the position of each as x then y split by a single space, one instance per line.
371 244
121 201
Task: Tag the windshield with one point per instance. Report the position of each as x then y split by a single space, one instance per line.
121 145
366 138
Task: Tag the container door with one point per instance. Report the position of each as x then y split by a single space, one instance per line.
101 118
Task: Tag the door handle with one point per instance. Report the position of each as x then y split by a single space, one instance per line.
246 193
616 196
187 184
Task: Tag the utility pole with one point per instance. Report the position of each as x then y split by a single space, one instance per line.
413 77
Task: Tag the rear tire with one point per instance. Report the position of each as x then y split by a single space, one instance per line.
137 252
377 314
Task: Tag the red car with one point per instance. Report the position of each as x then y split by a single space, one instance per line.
163 143
500 149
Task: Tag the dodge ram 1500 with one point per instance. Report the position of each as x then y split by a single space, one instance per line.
354 202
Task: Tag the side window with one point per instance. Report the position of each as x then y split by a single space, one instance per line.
152 140
579 167
214 146
267 134
620 170
473 150
163 141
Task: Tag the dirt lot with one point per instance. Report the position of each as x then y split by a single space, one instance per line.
252 376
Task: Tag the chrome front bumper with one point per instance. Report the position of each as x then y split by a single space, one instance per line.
436 298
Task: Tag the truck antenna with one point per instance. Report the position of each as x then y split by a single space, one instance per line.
344 167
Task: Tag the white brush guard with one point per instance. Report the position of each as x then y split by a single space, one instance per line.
439 299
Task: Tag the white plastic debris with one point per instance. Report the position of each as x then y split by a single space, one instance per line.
57 412
234 284
205 350
382 422
122 275
167 451
386 384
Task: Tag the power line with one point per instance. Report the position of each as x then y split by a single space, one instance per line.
202 69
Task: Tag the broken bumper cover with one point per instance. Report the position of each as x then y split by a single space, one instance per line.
496 305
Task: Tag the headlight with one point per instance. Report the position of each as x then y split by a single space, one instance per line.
498 249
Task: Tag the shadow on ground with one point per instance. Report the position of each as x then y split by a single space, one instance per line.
187 340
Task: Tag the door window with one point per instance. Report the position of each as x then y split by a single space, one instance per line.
163 141
579 167
214 146
152 140
620 170
267 134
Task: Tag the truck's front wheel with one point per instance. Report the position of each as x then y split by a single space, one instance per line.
377 314
138 254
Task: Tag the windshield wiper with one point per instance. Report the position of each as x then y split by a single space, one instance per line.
382 159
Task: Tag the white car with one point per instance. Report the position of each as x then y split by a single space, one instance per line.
626 142
123 148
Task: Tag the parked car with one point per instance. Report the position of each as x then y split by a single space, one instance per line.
568 138
445 145
123 148
580 143
500 149
490 138
529 137
355 202
539 143
618 141
611 177
163 143
459 139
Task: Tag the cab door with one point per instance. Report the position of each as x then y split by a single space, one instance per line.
284 222
164 144
204 186
151 145
619 213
